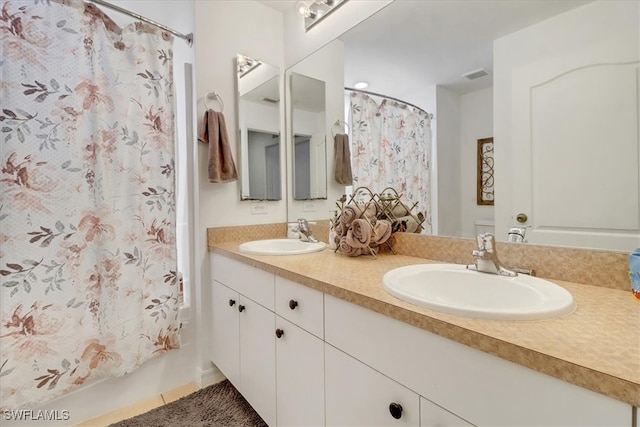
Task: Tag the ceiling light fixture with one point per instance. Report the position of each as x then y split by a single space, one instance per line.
316 10
361 85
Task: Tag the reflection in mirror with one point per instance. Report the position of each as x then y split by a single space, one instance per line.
259 128
534 55
308 116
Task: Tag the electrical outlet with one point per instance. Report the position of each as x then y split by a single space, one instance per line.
258 208
309 207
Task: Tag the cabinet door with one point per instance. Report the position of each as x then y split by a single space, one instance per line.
257 358
357 395
225 332
300 376
432 415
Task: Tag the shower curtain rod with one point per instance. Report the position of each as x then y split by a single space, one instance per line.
187 37
429 115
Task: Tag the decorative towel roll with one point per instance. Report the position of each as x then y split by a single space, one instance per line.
347 249
370 210
359 235
353 211
381 231
362 230
399 210
406 224
349 213
339 228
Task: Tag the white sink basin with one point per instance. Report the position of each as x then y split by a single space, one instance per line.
451 288
280 247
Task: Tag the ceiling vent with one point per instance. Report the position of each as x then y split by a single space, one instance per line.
475 74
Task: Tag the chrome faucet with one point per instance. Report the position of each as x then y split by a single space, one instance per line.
516 235
487 258
305 231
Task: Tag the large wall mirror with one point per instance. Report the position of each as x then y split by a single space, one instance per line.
258 100
308 122
314 101
549 156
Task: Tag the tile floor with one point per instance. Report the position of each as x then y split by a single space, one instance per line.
140 407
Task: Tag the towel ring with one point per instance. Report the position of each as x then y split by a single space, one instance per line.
339 123
216 97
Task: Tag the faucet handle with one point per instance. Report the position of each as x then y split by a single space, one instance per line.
486 242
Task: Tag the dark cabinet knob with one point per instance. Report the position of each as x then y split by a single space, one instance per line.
396 410
241 308
293 304
232 302
279 333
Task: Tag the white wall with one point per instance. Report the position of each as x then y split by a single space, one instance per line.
177 367
476 122
447 136
225 28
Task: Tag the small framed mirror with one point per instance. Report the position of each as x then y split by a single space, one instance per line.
309 123
258 100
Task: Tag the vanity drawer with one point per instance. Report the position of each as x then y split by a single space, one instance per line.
300 305
251 282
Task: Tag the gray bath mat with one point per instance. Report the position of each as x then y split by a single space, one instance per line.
217 405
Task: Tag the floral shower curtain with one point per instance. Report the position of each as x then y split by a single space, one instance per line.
88 256
390 146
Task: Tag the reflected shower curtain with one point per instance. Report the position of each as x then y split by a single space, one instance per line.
391 147
87 209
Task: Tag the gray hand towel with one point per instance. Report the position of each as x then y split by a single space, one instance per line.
342 171
213 131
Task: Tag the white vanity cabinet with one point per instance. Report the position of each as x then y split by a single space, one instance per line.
243 324
267 339
299 354
304 358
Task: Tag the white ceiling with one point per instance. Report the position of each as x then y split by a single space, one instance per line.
433 42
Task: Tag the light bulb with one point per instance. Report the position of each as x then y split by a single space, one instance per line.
302 8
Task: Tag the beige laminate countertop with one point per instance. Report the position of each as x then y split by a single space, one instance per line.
597 347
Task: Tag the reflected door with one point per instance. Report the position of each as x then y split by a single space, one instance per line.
272 156
302 168
575 138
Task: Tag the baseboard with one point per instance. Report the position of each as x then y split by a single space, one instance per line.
209 376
